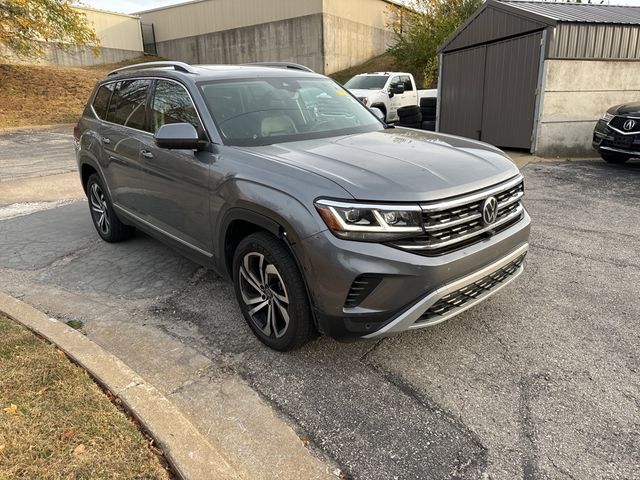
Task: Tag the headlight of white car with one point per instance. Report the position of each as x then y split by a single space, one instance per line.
364 100
607 117
370 223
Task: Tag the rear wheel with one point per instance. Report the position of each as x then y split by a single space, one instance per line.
613 157
107 224
271 293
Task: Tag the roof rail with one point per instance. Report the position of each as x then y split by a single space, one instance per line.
180 66
284 65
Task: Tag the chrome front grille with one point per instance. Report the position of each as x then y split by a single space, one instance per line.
473 291
620 124
452 224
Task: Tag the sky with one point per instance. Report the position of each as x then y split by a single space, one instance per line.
132 6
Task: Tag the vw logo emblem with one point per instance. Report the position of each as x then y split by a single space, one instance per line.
629 124
489 210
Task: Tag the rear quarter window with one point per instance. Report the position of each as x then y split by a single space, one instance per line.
101 100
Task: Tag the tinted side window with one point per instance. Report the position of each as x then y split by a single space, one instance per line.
395 80
128 104
408 86
101 100
172 104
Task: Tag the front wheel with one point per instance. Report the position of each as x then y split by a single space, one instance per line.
271 292
612 157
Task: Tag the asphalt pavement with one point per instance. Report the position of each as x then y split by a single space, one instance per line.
540 382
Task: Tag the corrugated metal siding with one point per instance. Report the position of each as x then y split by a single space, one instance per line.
510 83
460 94
491 24
580 12
489 92
595 41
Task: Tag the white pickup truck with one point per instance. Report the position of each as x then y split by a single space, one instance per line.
387 91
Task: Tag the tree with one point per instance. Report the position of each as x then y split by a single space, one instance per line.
421 28
25 26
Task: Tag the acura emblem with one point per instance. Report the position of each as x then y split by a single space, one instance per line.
489 210
629 124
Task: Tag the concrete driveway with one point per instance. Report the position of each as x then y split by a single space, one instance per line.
540 381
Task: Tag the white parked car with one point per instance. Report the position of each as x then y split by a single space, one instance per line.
387 91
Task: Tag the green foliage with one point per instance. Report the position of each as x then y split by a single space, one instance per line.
26 24
420 29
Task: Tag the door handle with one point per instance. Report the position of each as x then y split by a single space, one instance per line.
146 154
106 140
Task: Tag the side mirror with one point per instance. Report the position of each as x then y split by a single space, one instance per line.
178 136
397 88
378 113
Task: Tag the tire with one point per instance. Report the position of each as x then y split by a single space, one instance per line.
612 157
430 102
408 111
265 273
428 112
104 218
429 125
414 119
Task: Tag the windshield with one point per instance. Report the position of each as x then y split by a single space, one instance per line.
264 111
367 82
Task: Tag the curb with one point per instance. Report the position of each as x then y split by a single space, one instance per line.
189 453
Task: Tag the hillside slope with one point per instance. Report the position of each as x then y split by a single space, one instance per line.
381 63
32 95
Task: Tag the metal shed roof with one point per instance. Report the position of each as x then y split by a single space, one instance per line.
578 12
498 19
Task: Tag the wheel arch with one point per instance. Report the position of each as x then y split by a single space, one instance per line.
240 222
382 107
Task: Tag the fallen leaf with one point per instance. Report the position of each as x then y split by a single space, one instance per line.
2 447
79 450
11 409
68 433
41 391
60 352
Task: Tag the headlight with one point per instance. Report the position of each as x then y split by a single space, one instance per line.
364 100
370 223
607 117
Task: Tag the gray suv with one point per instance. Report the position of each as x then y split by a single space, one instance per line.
325 218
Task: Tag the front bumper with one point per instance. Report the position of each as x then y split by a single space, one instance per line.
612 140
420 315
410 284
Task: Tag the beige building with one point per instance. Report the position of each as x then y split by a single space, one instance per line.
325 35
120 39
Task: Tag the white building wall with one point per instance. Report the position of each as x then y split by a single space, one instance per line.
354 32
575 95
210 16
115 30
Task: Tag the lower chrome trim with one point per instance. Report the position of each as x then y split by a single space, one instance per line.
163 232
620 150
407 320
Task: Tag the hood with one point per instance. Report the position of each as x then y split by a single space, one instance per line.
397 165
363 93
626 109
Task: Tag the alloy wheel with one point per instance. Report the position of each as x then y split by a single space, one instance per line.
99 209
265 295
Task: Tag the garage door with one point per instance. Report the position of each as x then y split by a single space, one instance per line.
489 92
